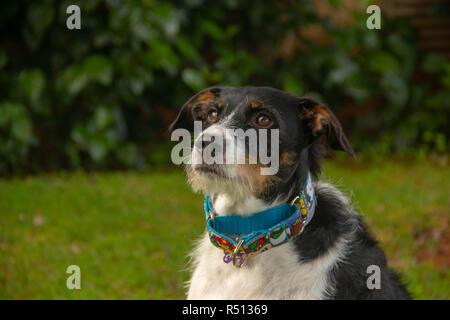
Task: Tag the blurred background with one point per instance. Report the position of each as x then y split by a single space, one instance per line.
85 155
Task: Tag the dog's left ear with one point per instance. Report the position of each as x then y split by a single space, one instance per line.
319 122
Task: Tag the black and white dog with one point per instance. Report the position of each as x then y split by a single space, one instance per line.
281 236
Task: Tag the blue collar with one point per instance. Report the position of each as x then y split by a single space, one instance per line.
240 237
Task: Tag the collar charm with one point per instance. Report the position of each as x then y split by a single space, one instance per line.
241 237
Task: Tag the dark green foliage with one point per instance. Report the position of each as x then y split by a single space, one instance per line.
103 96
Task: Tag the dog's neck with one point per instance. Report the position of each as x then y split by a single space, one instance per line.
245 205
225 204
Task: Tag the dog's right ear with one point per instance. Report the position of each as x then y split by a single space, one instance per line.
184 119
194 106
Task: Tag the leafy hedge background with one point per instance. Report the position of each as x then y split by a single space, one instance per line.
102 97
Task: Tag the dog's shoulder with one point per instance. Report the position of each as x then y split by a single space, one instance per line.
336 220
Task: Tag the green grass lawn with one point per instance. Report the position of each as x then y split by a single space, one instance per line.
130 232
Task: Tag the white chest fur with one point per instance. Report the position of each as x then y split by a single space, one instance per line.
274 274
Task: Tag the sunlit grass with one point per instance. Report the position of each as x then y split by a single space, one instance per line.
130 232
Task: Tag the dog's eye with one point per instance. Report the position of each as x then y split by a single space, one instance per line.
213 115
263 121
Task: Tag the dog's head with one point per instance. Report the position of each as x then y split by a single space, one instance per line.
256 140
